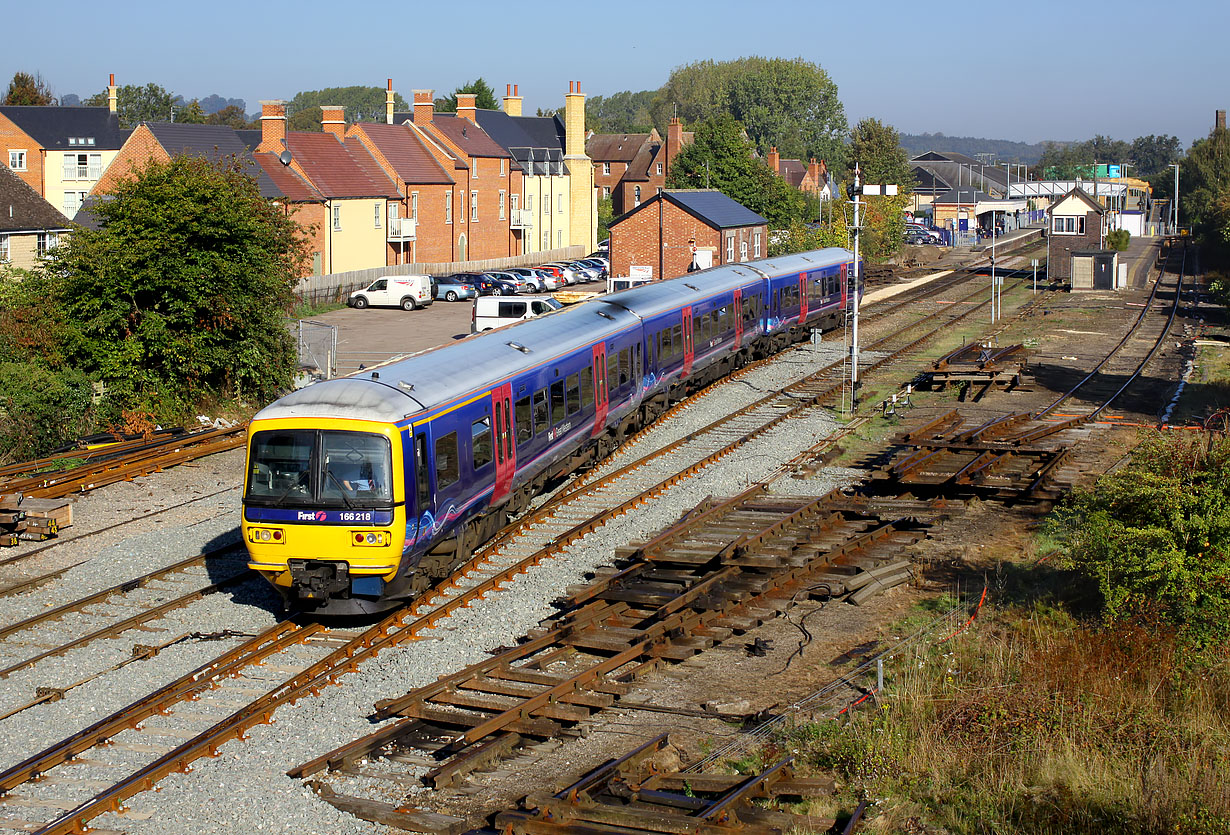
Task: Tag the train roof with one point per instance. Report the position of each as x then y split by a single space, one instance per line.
816 259
433 378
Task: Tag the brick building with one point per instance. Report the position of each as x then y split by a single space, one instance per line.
29 225
810 178
677 229
1075 225
630 168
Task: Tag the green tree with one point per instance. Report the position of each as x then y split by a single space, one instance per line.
232 116
137 104
181 293
190 114
790 104
721 158
1153 154
623 112
1118 239
484 97
361 104
606 213
800 237
1204 177
876 147
26 89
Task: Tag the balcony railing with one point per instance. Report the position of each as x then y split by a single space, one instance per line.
401 229
521 219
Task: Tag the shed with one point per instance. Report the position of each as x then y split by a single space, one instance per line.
1094 270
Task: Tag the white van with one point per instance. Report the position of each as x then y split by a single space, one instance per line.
494 311
405 291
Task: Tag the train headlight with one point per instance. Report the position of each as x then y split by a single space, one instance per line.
370 539
266 536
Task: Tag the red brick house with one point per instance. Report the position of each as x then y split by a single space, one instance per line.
629 168
678 228
811 178
1076 227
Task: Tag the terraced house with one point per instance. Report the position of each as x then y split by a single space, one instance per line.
630 168
61 152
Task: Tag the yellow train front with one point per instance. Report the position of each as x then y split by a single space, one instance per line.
325 509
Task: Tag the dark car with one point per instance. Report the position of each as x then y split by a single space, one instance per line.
451 289
481 284
502 285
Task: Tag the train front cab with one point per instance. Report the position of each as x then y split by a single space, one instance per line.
325 516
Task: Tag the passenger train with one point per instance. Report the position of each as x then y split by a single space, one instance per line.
361 492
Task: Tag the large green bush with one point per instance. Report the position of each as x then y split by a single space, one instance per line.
42 409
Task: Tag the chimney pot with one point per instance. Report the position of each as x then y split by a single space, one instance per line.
112 81
390 88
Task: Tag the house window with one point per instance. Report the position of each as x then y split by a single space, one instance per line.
501 168
529 202
82 166
637 200
559 238
559 203
474 169
394 214
414 206
17 160
659 169
501 204
1068 225
730 249
474 205
756 246
448 207
546 239
606 168
376 214
4 248
742 250
513 201
546 203
337 218
606 192
73 201
46 241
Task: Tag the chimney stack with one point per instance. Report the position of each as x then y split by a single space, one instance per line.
512 101
674 140
424 106
113 99
1220 120
388 104
333 120
466 106
574 121
273 127
774 159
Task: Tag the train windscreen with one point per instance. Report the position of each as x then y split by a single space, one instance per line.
314 467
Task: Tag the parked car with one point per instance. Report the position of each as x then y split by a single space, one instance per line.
493 313
405 291
452 289
509 283
565 272
587 270
602 265
604 246
535 278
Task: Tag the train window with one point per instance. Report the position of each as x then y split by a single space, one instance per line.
612 369
521 414
587 387
480 441
574 394
447 471
423 486
625 366
636 370
540 412
557 401
677 339
501 431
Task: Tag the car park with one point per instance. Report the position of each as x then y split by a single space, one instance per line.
589 271
496 312
510 283
452 289
409 292
530 275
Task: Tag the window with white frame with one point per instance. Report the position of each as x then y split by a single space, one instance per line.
82 166
559 203
87 141
73 201
394 214
448 207
474 168
730 249
636 201
756 245
17 160
606 192
606 168
414 206
376 214
46 241
529 202
337 218
546 239
742 250
4 248
501 167
559 238
474 205
659 169
501 204
514 201
1069 225
546 203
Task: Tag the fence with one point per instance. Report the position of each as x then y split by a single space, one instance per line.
316 347
325 289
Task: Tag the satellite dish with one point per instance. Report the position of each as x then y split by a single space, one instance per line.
284 157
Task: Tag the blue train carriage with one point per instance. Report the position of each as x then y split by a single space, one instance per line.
805 290
363 491
695 329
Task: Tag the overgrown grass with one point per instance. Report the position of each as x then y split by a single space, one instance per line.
1031 722
305 310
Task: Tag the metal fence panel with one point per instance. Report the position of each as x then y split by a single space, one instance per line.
316 347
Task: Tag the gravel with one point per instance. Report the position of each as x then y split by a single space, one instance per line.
244 788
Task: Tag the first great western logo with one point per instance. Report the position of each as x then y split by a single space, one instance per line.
309 516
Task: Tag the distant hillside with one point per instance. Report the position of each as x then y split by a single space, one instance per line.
1004 149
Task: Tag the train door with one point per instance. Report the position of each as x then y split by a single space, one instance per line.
737 309
505 449
601 397
423 506
845 285
802 297
688 340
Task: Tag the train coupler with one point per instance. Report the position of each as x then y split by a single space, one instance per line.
319 579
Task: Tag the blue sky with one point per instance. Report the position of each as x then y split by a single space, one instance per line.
1051 69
